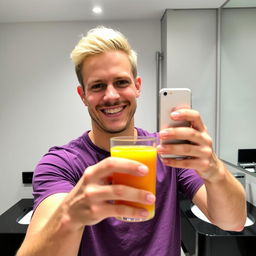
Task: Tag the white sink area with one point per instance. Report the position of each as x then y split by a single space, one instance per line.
25 220
199 214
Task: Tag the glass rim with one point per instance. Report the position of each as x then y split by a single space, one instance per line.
130 138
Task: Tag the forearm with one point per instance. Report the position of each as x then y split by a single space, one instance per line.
55 238
226 201
40 245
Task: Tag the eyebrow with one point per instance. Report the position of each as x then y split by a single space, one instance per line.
95 81
115 78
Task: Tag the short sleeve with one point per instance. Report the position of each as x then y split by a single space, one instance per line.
189 182
53 174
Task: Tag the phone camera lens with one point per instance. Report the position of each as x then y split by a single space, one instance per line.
165 93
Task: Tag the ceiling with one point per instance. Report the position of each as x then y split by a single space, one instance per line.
74 10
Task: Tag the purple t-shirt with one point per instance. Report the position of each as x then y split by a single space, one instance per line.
61 168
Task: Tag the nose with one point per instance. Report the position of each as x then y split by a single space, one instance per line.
111 93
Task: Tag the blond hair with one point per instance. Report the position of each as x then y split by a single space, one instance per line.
100 40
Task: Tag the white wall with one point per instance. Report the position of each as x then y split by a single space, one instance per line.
190 58
238 82
39 106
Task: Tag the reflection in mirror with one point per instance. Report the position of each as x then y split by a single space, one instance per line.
238 79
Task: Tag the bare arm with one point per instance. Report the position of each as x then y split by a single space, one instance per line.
58 222
47 233
222 198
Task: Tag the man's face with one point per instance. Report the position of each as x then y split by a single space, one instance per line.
110 91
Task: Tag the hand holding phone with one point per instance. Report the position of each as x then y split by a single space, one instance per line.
172 99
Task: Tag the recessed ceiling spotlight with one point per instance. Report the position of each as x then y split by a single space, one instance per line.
97 10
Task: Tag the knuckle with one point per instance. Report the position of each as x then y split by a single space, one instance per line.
94 211
110 163
208 139
91 212
208 152
193 133
88 174
197 114
89 193
118 190
205 164
210 142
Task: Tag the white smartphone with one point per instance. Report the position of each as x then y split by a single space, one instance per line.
170 100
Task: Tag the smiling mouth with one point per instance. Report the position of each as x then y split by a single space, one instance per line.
113 110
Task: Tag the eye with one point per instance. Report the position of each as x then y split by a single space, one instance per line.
98 87
122 83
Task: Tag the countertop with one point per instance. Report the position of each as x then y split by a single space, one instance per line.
200 238
212 230
11 232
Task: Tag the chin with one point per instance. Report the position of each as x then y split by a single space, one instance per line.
115 130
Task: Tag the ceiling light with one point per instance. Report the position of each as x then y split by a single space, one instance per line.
97 10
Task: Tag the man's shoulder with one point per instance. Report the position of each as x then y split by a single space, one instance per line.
80 151
72 145
68 153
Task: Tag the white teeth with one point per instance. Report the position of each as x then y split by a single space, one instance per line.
113 110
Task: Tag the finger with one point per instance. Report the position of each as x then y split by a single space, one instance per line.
106 210
189 115
185 150
108 166
193 163
185 133
181 106
96 194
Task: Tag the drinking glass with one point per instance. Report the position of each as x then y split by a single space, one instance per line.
141 149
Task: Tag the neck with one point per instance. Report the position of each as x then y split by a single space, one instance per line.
102 139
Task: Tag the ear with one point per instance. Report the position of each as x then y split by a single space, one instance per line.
138 86
80 91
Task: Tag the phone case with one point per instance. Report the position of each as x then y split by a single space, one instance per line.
170 100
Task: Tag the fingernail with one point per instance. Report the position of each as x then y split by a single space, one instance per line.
163 133
144 213
175 115
159 148
143 169
150 198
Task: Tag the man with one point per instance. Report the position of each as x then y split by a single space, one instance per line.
72 184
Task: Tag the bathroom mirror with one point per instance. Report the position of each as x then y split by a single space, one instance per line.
237 78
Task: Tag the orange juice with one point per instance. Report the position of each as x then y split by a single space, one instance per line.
146 155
